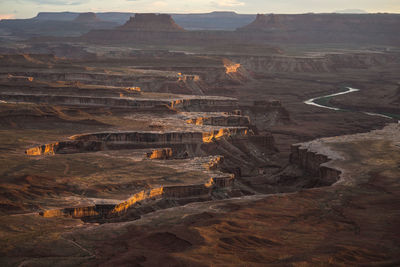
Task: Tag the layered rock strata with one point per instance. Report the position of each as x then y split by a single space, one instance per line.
228 120
186 193
313 162
192 103
134 140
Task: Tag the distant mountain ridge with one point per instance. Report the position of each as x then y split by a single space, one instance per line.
151 22
270 28
210 28
216 20
351 11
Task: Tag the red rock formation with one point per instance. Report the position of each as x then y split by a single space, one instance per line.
151 22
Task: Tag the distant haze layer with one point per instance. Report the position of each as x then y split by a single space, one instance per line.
29 8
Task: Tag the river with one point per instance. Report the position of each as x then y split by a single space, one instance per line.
312 102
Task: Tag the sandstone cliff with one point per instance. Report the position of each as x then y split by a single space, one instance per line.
151 22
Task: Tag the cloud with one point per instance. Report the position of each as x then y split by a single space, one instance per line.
159 4
6 16
58 2
227 3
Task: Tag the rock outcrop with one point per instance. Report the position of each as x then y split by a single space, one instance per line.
264 114
316 62
132 140
266 23
185 193
151 22
89 17
162 153
86 101
313 163
228 120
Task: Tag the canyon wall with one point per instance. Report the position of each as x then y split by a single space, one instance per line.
86 101
134 140
315 63
313 164
232 120
146 82
191 193
264 114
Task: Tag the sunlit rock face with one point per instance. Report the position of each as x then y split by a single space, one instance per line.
232 120
48 149
143 195
130 140
147 196
65 147
232 67
209 137
215 163
14 78
206 104
151 22
163 153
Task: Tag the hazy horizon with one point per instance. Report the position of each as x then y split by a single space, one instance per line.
20 9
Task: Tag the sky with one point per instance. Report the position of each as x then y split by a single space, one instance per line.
29 8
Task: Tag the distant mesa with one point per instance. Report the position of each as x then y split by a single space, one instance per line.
265 22
223 14
286 28
64 16
327 27
87 18
351 11
151 22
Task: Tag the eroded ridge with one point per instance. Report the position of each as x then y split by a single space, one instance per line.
134 140
314 162
189 138
147 200
328 157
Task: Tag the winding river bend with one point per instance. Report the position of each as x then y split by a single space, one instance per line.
313 102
